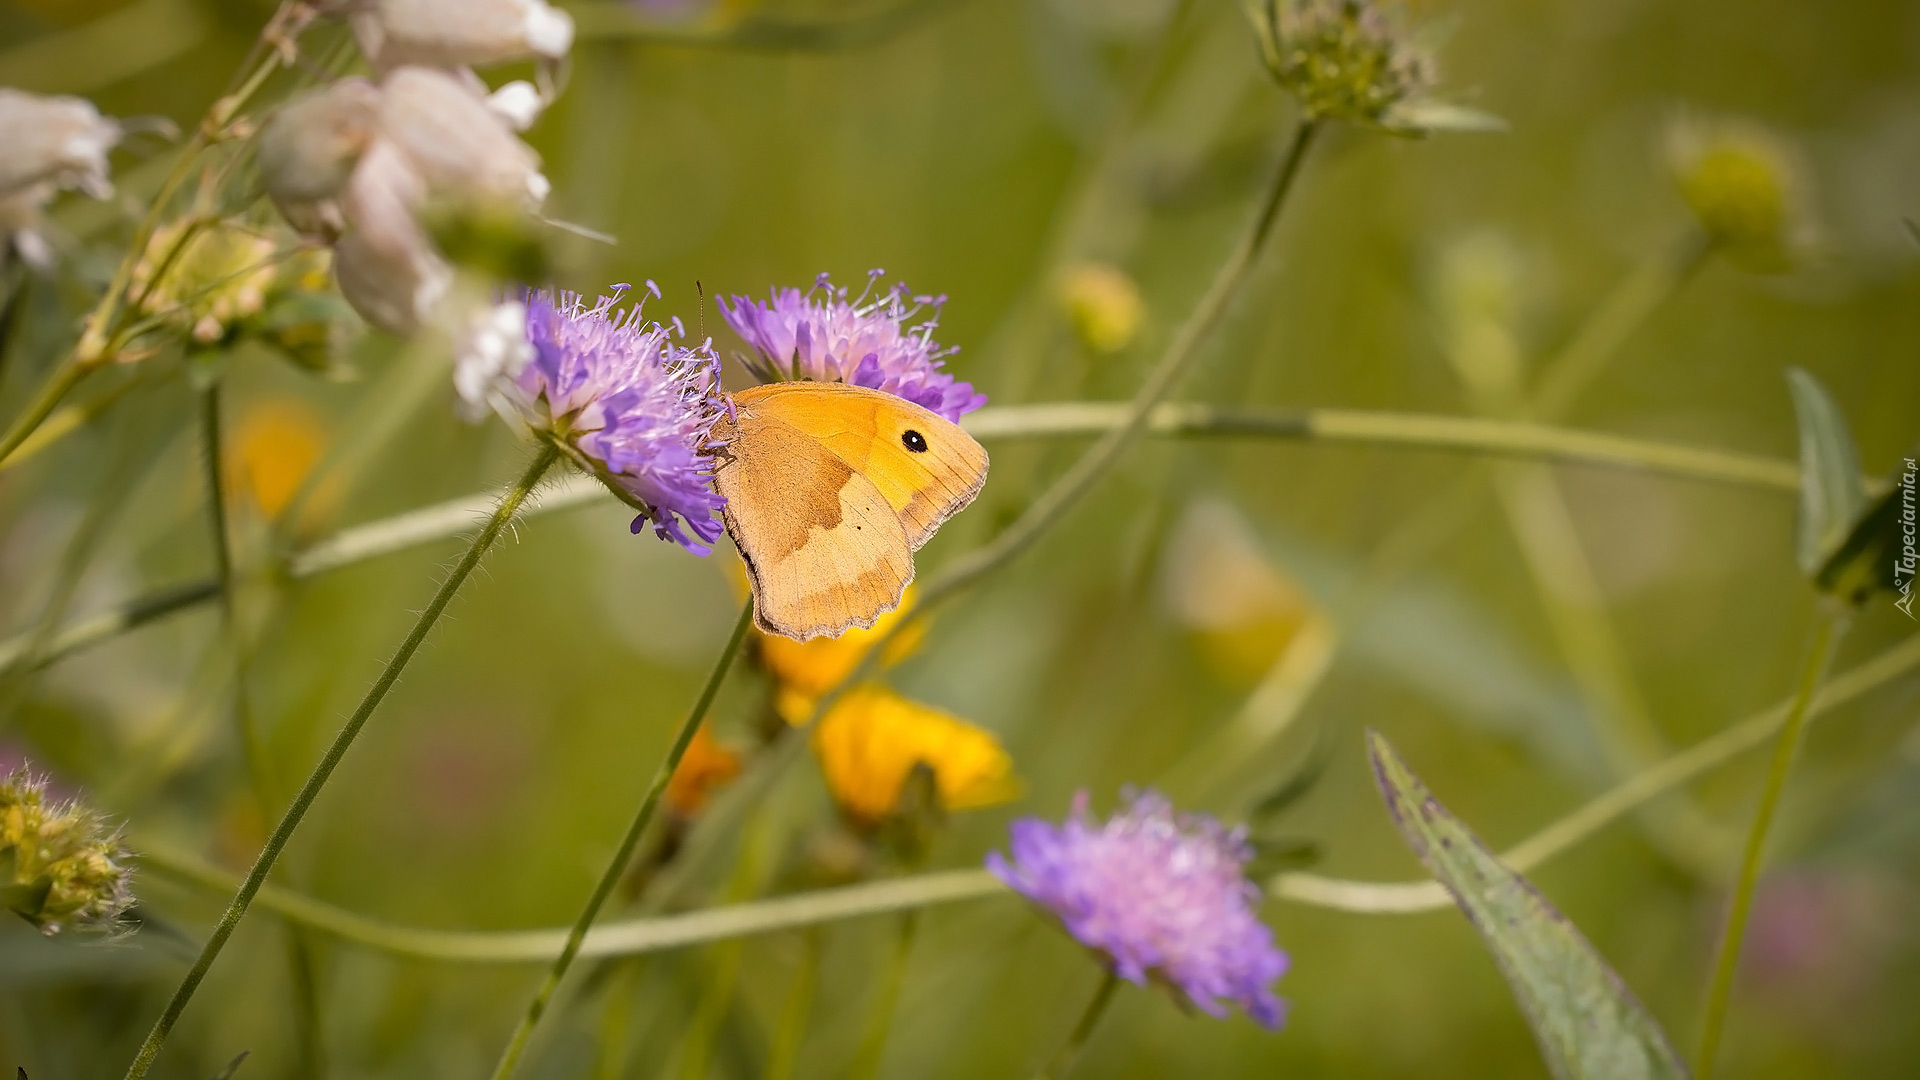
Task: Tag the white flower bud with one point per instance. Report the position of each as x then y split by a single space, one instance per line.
454 142
385 264
460 33
309 149
52 143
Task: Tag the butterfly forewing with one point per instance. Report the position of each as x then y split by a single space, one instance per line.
926 467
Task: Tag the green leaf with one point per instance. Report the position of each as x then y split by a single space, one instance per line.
1588 1024
1830 492
232 1067
1878 552
1426 116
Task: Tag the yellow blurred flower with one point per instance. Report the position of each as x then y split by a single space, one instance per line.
1220 585
872 738
1103 304
270 451
707 767
804 670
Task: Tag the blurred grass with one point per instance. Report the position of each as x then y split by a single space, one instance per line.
960 153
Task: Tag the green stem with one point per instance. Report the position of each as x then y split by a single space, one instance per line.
211 461
517 1045
1069 1051
1101 456
1565 375
299 950
323 771
1826 638
797 1010
48 397
873 1048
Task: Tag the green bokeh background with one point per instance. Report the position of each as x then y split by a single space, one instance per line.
973 151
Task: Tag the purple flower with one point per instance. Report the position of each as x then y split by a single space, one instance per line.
1164 897
822 335
636 404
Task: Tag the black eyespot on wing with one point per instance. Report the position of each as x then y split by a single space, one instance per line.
914 441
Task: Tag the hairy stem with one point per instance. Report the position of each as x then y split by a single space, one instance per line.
517 1045
323 771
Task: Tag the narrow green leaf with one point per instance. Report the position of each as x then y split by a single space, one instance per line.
1830 493
1588 1024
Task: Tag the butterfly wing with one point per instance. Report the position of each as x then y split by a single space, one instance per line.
923 464
823 548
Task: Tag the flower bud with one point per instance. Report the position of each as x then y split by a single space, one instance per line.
460 33
54 143
1745 187
210 280
60 864
309 150
1103 304
456 144
1343 60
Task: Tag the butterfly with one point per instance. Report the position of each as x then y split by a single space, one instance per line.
830 489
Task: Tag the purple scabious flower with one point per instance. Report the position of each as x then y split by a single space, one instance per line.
1164 897
639 406
822 335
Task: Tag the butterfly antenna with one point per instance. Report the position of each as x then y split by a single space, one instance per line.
702 293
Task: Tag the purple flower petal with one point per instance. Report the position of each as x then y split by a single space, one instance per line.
633 400
824 336
1164 897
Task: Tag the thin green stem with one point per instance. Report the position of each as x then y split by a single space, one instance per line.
48 397
1566 374
1826 639
517 1045
1101 456
253 749
797 1010
611 22
212 463
323 771
1069 1051
873 1047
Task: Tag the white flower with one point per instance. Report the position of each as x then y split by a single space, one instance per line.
457 144
47 144
386 265
309 149
460 33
